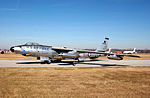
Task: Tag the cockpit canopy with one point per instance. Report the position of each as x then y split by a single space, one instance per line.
31 43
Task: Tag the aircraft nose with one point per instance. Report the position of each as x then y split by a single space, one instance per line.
12 49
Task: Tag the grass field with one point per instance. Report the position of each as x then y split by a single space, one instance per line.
118 82
20 57
15 57
126 82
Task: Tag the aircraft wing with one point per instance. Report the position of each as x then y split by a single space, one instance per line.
128 55
65 50
61 49
88 51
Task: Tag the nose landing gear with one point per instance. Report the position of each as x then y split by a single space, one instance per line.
74 63
46 62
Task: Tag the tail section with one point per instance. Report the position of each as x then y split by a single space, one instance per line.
109 51
134 50
104 45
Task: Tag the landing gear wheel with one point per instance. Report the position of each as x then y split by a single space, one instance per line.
78 60
46 62
73 63
42 63
56 61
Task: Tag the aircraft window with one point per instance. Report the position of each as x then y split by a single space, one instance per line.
42 48
45 48
36 47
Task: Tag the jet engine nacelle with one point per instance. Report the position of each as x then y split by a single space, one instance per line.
89 55
84 55
115 57
94 55
69 55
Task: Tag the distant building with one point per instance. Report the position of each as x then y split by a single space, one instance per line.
119 52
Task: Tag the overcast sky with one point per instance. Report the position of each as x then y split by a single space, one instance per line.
75 23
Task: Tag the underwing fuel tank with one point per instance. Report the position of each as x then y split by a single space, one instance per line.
69 55
89 55
115 57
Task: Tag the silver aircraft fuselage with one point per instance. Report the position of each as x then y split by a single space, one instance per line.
35 50
50 52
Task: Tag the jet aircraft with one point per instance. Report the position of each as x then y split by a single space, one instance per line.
130 52
49 53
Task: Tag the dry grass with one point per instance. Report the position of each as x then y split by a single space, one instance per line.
20 57
15 57
127 82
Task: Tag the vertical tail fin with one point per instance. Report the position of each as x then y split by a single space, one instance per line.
103 46
109 51
134 50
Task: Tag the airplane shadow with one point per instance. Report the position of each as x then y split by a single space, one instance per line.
28 63
88 62
69 62
104 65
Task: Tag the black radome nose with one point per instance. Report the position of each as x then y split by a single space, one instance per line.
12 49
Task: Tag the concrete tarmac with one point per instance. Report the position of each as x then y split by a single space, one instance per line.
66 63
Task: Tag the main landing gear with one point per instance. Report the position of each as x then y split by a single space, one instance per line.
74 63
46 62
